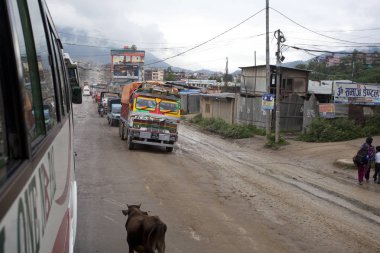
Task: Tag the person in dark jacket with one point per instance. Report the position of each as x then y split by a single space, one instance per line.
364 152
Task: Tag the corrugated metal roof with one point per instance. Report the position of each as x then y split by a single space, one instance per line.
220 95
274 66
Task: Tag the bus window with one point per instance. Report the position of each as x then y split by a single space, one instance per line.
3 141
45 72
32 106
60 78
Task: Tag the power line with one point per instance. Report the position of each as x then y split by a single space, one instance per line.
342 31
325 51
203 43
318 33
315 45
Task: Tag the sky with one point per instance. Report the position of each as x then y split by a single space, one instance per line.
169 27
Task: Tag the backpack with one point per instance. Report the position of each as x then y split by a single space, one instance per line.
361 157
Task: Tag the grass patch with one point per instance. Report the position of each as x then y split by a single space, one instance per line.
225 129
271 142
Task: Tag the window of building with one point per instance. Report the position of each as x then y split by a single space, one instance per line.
289 84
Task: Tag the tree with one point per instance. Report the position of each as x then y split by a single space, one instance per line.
217 78
169 76
228 77
301 66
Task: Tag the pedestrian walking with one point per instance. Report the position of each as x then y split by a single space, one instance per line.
371 159
376 176
361 159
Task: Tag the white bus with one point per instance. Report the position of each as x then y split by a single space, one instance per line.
73 75
38 192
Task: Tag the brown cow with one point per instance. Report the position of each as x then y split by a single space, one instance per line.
145 233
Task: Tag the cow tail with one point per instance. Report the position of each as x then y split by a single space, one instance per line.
156 236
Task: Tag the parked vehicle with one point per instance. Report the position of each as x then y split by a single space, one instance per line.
113 111
150 114
103 99
86 91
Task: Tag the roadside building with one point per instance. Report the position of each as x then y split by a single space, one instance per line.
332 60
219 105
341 99
154 74
293 92
179 75
201 83
126 65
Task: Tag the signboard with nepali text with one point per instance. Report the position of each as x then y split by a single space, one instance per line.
357 93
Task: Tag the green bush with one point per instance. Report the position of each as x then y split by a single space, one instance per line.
196 119
329 130
372 126
225 129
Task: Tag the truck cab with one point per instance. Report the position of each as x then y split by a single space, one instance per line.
152 118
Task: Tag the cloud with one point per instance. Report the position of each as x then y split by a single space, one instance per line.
172 26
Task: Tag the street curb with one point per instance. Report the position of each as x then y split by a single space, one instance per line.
345 163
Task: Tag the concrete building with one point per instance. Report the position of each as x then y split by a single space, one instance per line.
154 74
332 60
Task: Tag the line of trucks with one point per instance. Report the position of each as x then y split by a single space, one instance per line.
147 113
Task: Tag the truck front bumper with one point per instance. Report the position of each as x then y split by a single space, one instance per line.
153 138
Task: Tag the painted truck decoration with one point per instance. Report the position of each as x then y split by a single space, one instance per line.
150 114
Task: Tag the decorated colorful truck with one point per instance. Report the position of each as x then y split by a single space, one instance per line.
150 114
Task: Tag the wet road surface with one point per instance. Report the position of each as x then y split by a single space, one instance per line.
218 195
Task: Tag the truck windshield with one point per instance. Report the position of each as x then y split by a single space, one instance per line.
169 106
145 104
116 108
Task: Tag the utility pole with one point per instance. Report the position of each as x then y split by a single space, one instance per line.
280 58
268 112
226 75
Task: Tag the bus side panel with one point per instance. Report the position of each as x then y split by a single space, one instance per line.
34 221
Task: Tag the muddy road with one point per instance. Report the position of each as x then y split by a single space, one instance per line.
219 195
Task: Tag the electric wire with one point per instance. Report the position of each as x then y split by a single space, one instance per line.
318 33
207 41
326 51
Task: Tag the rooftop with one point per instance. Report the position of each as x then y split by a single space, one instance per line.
274 66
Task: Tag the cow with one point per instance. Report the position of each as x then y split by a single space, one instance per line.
145 233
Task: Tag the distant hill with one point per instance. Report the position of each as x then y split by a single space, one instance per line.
101 56
85 49
293 64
